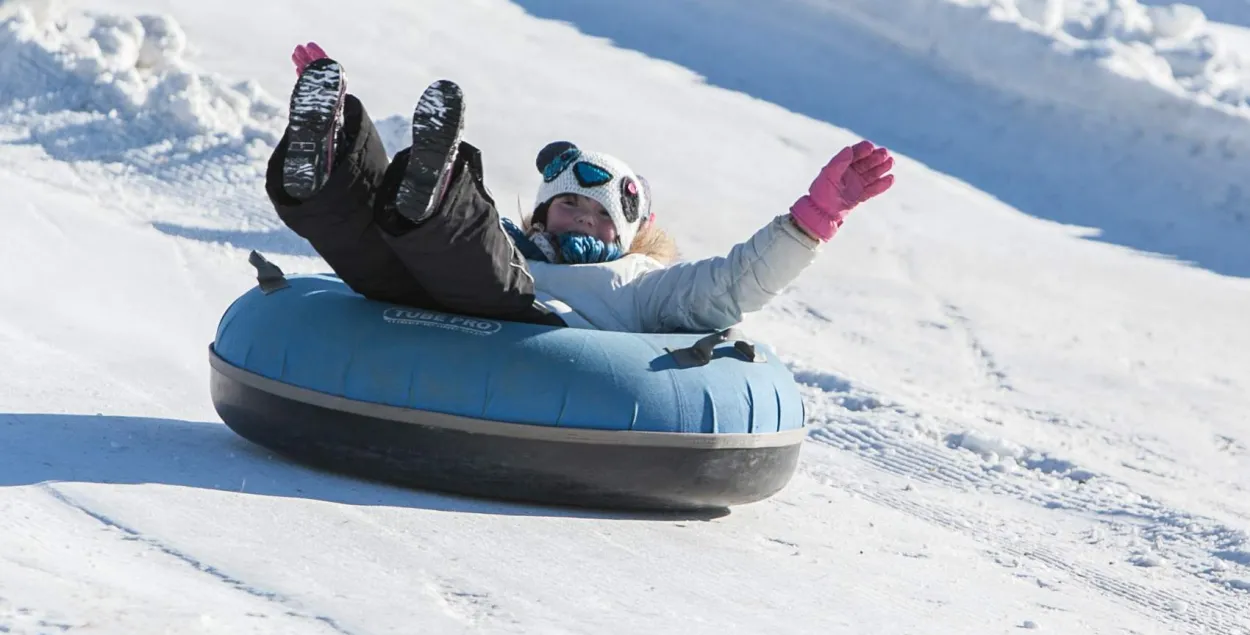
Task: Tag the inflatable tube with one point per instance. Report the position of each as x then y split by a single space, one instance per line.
305 367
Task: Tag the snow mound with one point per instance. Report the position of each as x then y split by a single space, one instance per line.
101 86
1005 456
987 446
1170 46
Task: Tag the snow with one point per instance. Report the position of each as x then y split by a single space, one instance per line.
1025 366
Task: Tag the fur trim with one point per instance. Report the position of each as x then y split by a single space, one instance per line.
656 243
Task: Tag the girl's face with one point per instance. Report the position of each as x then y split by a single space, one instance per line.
576 213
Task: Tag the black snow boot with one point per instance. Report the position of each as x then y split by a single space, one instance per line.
315 128
437 123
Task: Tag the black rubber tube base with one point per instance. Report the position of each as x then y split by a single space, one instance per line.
507 466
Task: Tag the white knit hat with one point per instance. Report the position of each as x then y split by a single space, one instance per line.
598 176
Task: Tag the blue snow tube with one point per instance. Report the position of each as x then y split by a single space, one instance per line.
306 367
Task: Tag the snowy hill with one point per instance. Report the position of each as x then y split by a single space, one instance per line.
1050 106
1025 366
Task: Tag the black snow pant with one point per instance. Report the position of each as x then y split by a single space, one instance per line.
459 260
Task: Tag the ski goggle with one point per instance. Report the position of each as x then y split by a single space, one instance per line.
559 164
587 174
590 175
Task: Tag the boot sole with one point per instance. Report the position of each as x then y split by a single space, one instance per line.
437 124
316 103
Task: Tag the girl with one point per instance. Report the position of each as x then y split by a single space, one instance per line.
422 230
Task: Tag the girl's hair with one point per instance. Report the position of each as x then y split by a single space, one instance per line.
649 241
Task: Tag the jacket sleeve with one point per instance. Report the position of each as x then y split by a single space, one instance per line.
713 294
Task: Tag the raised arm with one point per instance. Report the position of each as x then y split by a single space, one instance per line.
714 293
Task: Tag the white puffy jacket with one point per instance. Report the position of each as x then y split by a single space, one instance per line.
638 294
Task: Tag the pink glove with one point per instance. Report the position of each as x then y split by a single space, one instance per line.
306 54
854 175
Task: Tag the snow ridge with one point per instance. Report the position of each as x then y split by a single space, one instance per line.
115 88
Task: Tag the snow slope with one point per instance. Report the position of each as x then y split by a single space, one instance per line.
1013 426
1084 114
